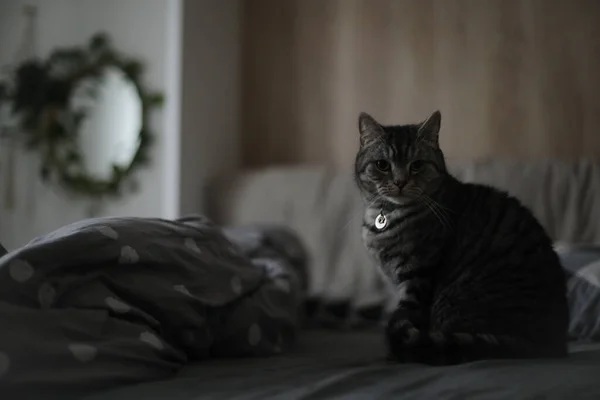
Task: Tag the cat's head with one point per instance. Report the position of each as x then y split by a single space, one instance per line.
399 163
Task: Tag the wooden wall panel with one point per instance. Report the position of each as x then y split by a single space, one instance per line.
516 78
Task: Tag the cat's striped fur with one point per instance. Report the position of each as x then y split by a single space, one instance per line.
476 272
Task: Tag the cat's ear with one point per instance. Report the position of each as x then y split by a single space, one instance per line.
369 129
429 130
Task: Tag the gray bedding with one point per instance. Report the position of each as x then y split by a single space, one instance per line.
348 365
129 308
112 301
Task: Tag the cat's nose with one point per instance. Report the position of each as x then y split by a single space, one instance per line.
400 184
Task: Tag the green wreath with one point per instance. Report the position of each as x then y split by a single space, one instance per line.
40 97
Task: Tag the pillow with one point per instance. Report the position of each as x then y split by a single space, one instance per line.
583 291
576 256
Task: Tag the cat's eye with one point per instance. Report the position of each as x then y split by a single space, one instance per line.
382 165
415 167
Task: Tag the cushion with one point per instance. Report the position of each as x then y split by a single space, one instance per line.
576 256
584 303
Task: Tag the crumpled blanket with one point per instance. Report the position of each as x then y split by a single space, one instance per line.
113 301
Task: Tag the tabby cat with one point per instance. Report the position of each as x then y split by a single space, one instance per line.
476 274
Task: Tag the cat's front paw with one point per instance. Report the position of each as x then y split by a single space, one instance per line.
415 317
402 331
402 337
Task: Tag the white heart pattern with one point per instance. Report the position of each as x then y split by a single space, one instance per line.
192 245
46 295
188 337
151 339
236 285
4 363
108 232
278 347
117 305
254 335
271 267
20 270
282 284
83 352
182 289
128 255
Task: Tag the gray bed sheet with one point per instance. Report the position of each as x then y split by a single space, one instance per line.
107 302
349 365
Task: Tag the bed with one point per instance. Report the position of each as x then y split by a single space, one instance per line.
332 349
334 365
348 363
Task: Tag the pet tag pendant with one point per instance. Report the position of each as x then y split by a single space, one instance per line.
380 221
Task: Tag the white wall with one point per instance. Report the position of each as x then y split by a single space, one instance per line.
148 29
211 95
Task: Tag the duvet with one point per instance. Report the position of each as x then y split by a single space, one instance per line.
112 301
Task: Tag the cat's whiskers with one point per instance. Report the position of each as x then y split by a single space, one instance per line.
439 213
435 207
359 212
444 212
440 205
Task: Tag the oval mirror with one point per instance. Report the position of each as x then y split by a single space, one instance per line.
109 133
87 112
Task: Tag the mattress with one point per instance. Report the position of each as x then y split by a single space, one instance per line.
350 365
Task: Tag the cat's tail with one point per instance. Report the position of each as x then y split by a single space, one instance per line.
408 344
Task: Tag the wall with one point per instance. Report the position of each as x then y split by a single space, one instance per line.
210 120
511 77
148 29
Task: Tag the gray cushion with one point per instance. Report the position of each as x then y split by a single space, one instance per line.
576 256
584 303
